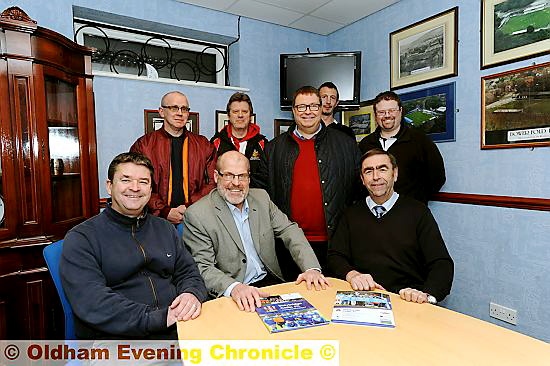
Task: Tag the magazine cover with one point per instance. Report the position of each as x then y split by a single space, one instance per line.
288 312
363 308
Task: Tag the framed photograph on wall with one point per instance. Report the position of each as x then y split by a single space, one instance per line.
153 121
281 125
513 30
425 51
515 106
432 110
222 120
361 121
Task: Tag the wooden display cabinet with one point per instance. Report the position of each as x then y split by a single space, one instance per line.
48 166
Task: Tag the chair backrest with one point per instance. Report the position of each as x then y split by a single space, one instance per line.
52 255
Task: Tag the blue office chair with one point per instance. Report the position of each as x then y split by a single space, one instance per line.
52 255
179 228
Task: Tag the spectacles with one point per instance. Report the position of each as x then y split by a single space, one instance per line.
304 107
228 177
387 111
175 108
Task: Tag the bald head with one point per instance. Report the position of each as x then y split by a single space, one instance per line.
233 158
232 177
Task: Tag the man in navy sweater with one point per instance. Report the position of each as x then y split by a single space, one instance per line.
125 272
389 240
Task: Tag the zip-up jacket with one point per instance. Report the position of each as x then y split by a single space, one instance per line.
120 274
338 162
157 147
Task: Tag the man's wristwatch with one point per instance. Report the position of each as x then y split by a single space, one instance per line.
431 300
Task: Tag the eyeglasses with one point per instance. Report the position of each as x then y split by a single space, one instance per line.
304 107
175 108
387 111
228 177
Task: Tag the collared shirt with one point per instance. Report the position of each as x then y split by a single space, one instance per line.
387 205
302 137
386 143
255 269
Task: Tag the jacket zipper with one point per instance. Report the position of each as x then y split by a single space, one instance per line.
153 289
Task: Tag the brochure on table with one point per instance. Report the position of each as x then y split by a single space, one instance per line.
363 308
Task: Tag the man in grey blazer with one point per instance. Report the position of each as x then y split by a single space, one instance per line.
231 234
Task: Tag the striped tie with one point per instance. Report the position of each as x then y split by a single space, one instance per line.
379 210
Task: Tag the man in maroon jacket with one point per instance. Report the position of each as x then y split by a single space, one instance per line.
184 162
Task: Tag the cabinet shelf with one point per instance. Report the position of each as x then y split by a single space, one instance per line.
57 123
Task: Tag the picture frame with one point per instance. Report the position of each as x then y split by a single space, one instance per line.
222 119
512 32
281 125
515 105
362 121
432 110
153 121
425 51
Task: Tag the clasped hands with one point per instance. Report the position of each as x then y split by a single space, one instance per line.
248 297
184 307
364 282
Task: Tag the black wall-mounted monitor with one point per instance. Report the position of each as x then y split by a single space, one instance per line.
342 68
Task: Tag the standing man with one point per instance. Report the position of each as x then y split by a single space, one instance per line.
329 99
390 240
231 233
245 137
421 168
313 173
125 272
184 161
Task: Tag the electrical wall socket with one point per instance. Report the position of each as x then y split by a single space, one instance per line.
503 313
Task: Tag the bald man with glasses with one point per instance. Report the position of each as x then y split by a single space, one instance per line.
313 174
184 162
231 234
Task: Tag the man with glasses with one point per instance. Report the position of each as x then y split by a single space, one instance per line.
231 234
421 167
242 135
313 173
184 161
329 99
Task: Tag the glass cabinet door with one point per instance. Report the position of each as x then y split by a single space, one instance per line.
64 148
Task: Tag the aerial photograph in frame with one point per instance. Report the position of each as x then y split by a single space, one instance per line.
520 22
422 52
431 110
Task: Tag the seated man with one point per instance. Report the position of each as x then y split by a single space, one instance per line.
125 272
390 240
231 234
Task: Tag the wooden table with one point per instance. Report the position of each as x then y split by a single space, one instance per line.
424 334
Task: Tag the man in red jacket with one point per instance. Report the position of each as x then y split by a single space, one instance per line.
184 162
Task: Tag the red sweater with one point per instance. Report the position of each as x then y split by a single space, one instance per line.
306 198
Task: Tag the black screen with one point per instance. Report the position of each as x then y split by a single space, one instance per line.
343 69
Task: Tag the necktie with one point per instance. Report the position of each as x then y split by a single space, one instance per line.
379 210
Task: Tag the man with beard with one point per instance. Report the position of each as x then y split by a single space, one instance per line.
231 234
421 168
329 99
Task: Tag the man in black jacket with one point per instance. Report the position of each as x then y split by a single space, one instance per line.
126 273
421 168
245 137
313 174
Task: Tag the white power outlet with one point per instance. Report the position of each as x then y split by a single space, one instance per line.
503 313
